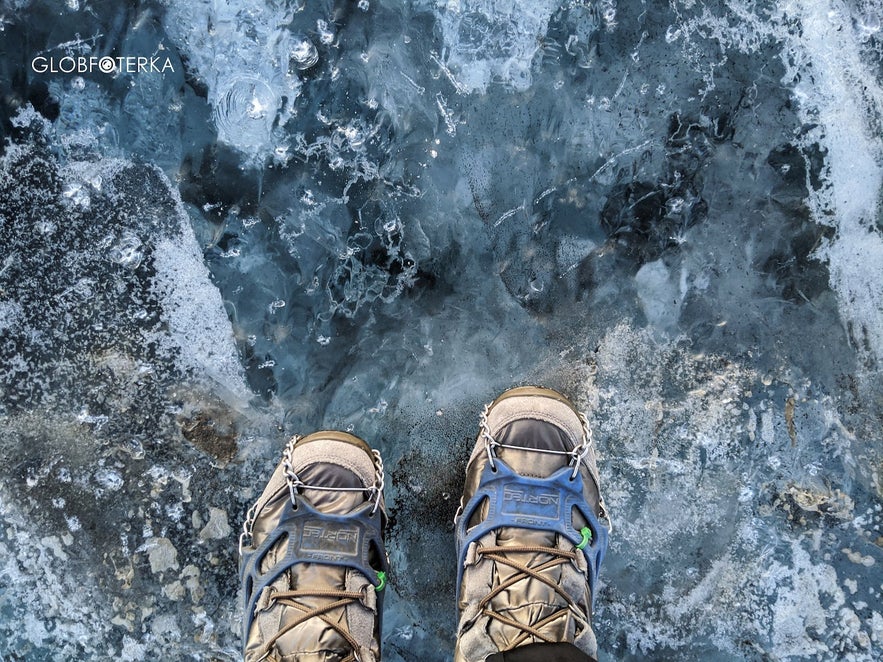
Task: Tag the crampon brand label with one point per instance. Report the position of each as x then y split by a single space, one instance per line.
330 538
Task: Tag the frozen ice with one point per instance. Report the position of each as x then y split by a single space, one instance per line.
376 216
493 40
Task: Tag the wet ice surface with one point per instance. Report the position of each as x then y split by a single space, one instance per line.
378 215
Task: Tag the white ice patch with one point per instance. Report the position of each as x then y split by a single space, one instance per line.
801 590
843 98
198 325
194 311
660 295
488 40
674 426
10 313
27 560
222 40
132 650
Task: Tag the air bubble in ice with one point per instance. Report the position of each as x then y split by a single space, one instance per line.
870 24
364 5
608 13
353 135
84 288
326 35
303 54
672 34
244 116
127 252
281 155
256 108
405 633
98 420
77 194
134 448
109 479
674 205
78 83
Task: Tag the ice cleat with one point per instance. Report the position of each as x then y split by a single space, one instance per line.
312 561
531 531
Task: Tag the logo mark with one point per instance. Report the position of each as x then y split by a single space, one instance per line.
82 64
330 539
511 494
531 504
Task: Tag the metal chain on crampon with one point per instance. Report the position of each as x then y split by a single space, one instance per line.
485 433
295 484
247 525
589 443
577 455
583 447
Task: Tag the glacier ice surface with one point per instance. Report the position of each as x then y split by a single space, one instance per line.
375 216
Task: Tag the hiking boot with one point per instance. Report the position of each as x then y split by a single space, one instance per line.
312 561
531 529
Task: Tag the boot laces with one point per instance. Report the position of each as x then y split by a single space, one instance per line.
339 600
539 572
558 557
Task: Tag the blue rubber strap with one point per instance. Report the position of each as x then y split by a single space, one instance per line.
540 504
314 537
